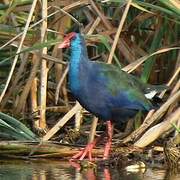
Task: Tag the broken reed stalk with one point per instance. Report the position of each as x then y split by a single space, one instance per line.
154 132
107 24
154 118
61 122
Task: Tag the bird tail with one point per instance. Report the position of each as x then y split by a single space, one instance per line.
152 90
157 88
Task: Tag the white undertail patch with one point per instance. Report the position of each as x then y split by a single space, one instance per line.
151 94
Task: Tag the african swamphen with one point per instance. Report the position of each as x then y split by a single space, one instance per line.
104 90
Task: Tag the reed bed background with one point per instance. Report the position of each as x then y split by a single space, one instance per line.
141 37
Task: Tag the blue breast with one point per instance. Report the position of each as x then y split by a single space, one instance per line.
77 60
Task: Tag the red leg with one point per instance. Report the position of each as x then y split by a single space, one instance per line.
88 149
109 141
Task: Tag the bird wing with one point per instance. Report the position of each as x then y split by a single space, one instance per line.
123 90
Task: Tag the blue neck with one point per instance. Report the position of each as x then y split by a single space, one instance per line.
78 58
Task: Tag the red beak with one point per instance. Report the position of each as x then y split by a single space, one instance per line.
67 40
64 44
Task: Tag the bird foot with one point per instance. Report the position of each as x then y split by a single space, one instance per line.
87 151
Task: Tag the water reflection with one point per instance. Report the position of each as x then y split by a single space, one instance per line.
62 170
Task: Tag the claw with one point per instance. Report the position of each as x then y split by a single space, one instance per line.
87 151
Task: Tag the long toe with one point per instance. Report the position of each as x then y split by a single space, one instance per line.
87 151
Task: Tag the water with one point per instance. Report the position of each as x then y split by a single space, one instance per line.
62 170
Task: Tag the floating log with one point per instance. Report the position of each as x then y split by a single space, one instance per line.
51 149
40 150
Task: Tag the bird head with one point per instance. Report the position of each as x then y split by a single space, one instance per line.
67 40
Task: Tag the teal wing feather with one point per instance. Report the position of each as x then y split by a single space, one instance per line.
119 82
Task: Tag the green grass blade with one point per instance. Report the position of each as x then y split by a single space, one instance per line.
17 126
172 5
158 8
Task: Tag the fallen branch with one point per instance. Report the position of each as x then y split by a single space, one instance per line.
153 133
50 149
46 150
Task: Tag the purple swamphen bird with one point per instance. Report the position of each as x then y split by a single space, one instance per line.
104 90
